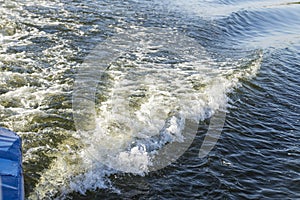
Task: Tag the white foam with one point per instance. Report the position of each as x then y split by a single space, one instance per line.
127 137
146 107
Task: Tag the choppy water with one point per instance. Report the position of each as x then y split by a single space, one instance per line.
187 61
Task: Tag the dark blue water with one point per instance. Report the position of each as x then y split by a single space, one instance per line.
251 54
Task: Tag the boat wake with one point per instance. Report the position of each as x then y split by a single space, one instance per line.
137 101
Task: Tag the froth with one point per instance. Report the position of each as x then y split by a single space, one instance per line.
146 105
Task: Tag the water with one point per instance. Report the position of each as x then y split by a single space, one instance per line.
242 58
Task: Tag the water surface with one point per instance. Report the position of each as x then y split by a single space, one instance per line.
247 63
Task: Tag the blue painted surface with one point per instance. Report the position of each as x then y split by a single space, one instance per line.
11 177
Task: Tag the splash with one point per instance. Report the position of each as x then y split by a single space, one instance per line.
138 111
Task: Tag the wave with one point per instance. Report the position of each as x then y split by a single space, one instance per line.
146 98
243 24
214 9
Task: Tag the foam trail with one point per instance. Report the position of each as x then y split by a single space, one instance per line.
153 97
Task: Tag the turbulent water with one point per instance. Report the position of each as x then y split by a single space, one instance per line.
98 89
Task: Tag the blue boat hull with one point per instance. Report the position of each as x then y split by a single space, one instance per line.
11 176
